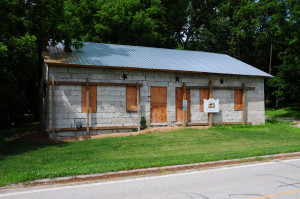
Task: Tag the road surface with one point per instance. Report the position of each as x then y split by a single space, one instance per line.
274 180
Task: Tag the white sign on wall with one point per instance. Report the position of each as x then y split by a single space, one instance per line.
211 105
184 105
184 102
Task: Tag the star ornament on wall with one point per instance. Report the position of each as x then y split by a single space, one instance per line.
177 79
221 81
124 76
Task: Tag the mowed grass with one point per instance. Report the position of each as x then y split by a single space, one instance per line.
22 161
290 112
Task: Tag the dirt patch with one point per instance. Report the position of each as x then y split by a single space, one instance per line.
36 136
288 119
149 130
32 136
296 122
296 125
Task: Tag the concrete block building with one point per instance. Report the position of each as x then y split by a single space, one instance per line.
106 88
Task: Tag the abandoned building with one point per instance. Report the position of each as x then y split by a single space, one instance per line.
106 88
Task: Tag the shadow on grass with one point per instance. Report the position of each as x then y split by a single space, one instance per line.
22 139
291 112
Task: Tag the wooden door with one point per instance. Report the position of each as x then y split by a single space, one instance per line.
204 94
179 101
158 101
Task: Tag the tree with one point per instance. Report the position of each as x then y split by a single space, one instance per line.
131 22
262 33
17 60
285 84
27 27
185 18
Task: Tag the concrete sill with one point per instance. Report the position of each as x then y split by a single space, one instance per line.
158 124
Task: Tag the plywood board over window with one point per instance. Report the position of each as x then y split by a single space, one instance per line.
204 94
92 99
238 99
158 101
131 98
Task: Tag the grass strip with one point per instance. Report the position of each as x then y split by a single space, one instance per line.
22 161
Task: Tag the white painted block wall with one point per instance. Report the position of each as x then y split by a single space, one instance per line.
111 100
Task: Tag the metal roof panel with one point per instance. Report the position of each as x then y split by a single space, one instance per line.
99 54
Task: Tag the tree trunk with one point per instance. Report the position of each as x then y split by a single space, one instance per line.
277 98
40 90
40 66
255 52
270 63
185 45
270 69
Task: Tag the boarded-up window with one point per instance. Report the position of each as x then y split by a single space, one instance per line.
92 99
204 94
238 99
131 98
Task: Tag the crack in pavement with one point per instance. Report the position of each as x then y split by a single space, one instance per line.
278 177
287 184
188 194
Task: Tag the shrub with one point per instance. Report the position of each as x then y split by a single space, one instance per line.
143 123
272 120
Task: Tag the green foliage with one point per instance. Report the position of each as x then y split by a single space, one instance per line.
143 123
3 50
27 27
290 112
124 22
272 120
262 33
17 70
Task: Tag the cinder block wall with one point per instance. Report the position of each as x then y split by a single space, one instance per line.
111 100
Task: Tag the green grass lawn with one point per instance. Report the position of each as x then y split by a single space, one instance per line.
22 161
291 112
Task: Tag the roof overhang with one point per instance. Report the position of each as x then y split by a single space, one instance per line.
58 64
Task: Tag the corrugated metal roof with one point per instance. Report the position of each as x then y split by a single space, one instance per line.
99 54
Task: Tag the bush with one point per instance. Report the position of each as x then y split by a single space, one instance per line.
272 120
143 123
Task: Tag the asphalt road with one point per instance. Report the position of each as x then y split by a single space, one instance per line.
274 180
